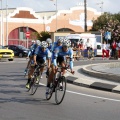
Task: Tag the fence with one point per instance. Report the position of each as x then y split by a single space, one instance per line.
19 42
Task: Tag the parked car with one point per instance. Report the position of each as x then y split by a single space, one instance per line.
6 54
19 50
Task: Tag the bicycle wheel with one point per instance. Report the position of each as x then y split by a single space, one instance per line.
34 84
60 90
50 92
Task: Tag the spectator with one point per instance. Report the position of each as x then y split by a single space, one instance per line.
119 49
108 50
114 45
88 45
77 51
104 50
81 49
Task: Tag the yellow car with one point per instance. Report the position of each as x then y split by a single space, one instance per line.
6 54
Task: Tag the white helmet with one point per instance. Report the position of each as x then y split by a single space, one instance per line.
38 42
33 41
66 42
44 44
60 40
49 40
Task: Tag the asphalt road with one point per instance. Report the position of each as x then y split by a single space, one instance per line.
79 104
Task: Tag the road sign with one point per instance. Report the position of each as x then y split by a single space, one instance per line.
108 35
27 34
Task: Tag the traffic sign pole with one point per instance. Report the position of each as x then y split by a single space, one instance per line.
27 36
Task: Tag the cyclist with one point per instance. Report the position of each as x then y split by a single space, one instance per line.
34 45
31 54
41 54
49 41
54 46
59 57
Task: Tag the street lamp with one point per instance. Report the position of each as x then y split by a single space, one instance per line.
85 10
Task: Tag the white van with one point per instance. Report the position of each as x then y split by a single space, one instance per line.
83 37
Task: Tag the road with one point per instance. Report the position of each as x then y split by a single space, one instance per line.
79 104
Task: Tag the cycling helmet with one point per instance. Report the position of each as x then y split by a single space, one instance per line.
60 40
33 41
66 43
38 42
44 44
49 40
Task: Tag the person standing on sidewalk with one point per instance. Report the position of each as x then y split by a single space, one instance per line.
108 50
119 49
104 51
88 45
114 45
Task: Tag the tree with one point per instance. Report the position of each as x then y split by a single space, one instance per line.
108 22
42 36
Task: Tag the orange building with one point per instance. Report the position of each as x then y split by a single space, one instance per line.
22 19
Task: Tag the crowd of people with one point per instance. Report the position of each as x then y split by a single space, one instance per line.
80 52
111 50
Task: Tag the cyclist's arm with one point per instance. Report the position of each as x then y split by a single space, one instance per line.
35 54
71 59
55 57
49 54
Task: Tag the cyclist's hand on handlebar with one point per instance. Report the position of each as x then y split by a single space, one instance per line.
56 68
35 63
73 72
27 57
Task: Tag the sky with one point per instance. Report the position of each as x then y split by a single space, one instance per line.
111 6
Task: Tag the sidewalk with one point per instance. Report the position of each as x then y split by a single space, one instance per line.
89 76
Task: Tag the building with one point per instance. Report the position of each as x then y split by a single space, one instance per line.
18 21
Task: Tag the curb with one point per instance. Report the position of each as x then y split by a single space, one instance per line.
93 84
110 77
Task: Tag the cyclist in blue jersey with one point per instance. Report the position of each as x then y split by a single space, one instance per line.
59 58
61 53
30 64
41 54
49 41
55 45
32 49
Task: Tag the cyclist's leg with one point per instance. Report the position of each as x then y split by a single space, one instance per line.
62 63
28 64
31 70
41 61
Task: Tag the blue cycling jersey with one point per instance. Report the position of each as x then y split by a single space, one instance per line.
55 45
42 55
60 53
32 50
50 47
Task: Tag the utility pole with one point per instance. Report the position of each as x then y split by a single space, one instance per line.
85 11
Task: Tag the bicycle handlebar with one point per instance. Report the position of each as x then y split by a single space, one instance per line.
66 68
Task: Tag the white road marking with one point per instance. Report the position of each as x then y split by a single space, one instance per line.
92 96
87 95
